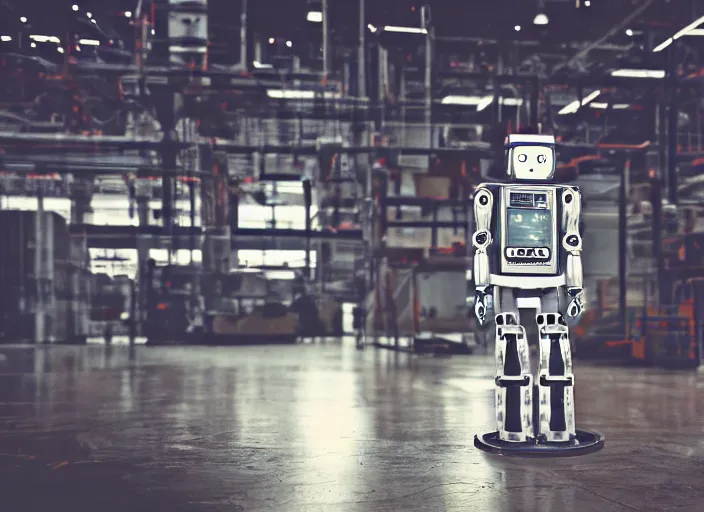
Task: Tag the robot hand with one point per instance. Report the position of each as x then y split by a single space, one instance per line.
575 308
481 306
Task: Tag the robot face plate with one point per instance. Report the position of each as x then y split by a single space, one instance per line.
532 162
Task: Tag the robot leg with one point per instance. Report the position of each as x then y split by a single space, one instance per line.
514 381
555 380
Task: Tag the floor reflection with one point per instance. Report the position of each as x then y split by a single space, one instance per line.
328 427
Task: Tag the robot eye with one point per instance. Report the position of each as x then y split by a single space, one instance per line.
542 159
522 157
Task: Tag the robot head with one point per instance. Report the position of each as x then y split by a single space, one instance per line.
530 157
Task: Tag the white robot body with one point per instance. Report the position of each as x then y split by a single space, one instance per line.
528 255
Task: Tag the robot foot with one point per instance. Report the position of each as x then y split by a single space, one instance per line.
514 381
583 443
555 422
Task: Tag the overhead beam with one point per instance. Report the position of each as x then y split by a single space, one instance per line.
616 29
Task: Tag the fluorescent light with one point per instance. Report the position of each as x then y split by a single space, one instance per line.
89 42
371 27
289 44
5 39
574 106
315 17
696 32
259 65
481 102
486 101
281 274
45 39
511 102
663 45
616 106
281 94
461 100
685 31
406 30
128 14
639 73
541 19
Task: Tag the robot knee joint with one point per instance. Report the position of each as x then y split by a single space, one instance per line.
506 319
550 319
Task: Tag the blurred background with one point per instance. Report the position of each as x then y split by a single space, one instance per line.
226 171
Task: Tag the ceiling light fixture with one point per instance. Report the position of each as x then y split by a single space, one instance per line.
541 19
573 107
315 17
128 14
517 28
45 39
639 73
74 7
406 30
629 32
5 39
289 44
290 94
23 19
685 31
272 40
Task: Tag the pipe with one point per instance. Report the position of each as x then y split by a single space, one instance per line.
623 242
244 62
672 115
325 39
361 60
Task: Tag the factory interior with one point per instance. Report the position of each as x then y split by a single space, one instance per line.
241 257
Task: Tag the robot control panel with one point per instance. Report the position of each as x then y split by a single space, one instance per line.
529 231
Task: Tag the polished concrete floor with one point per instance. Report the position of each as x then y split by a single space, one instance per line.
323 428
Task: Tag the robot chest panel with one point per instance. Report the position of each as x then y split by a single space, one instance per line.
528 229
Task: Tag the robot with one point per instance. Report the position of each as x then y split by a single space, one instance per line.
527 254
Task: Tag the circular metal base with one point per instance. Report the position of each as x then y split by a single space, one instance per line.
585 442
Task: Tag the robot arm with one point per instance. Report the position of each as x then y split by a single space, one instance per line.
572 244
483 207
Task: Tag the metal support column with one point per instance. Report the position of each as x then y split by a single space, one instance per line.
361 59
40 331
426 24
244 60
143 193
326 47
534 107
308 200
623 241
672 117
656 184
81 197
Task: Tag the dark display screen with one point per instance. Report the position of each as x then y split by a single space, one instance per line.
529 228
